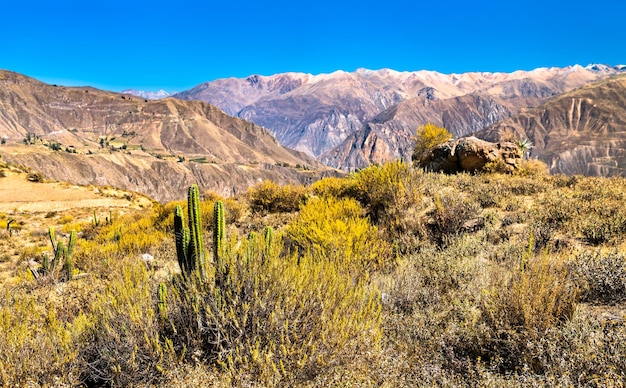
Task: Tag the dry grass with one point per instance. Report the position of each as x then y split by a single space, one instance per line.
493 280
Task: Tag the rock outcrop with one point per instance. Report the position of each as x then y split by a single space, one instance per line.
471 154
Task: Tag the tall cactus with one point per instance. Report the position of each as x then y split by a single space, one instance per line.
189 241
181 234
53 239
196 242
219 235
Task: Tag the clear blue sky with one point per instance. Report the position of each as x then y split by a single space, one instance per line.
175 45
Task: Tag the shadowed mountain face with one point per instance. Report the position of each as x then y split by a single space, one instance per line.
579 132
333 116
155 147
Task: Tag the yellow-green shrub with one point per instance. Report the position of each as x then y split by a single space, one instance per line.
386 191
66 219
427 137
271 197
335 230
36 346
333 187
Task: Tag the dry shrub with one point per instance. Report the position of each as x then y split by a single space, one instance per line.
601 276
234 210
532 167
604 225
274 320
535 296
271 197
35 177
520 305
123 347
451 216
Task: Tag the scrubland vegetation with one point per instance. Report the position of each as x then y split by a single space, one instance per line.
388 277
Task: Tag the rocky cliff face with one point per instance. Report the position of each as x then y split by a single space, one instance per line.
389 135
155 147
315 114
579 132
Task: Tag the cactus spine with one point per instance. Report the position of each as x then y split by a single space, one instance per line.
189 241
219 225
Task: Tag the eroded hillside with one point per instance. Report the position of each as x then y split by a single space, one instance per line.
155 147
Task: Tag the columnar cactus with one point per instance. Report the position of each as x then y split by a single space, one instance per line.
219 225
181 234
53 239
189 241
251 248
196 240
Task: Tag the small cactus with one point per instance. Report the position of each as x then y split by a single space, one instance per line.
61 252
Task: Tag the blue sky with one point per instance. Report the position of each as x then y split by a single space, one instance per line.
175 45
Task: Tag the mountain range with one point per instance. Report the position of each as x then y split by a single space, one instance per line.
289 127
84 135
349 120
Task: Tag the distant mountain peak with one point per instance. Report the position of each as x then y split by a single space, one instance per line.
149 95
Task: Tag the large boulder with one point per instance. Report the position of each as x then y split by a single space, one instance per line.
471 154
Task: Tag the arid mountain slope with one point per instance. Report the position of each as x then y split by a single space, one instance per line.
389 135
579 132
137 144
317 113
